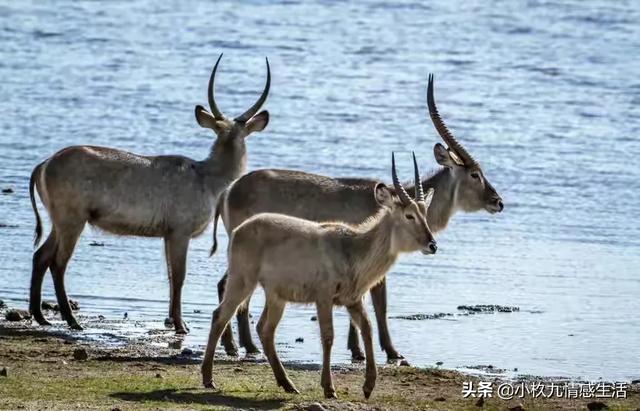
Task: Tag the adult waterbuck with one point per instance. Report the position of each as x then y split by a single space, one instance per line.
460 185
172 197
331 263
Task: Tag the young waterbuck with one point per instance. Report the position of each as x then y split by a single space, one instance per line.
460 185
172 197
332 263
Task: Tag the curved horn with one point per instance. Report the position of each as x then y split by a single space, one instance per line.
217 114
444 132
418 183
400 191
254 109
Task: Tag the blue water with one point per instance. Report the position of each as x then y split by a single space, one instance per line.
544 93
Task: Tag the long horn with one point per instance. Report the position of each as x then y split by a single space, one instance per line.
444 132
212 101
400 191
254 109
417 182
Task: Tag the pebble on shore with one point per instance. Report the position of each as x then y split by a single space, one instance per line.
17 315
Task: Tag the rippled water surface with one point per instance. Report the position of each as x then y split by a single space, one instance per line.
544 94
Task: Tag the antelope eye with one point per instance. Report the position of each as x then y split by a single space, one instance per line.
409 217
475 176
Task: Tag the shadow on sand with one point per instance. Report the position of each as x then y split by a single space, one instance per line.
196 396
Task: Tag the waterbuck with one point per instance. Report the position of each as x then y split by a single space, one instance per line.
331 263
460 185
172 197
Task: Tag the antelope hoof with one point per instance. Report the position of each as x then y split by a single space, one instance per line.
357 355
393 356
230 348
76 326
182 328
252 349
40 319
367 391
232 352
289 387
209 385
331 393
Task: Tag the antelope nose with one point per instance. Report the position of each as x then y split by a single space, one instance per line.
499 204
433 247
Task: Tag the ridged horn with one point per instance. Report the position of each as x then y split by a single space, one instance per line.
254 109
400 191
444 132
416 177
217 114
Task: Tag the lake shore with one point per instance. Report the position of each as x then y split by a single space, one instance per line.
57 370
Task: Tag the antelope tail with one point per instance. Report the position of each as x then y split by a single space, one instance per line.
32 183
219 206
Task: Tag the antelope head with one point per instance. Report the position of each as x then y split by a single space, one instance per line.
233 131
411 231
473 190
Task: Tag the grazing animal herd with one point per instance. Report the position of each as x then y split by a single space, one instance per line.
304 238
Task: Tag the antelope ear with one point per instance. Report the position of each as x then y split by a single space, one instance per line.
207 120
444 157
258 122
383 195
429 197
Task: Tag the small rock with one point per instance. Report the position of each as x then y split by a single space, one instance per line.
197 311
3 372
101 317
316 406
635 382
314 318
488 308
17 315
96 244
439 363
421 317
187 352
299 340
7 190
480 402
238 369
517 407
46 305
176 345
404 363
158 375
2 304
80 354
440 399
115 409
515 369
597 406
126 315
75 306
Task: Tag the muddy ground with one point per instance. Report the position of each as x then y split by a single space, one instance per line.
42 369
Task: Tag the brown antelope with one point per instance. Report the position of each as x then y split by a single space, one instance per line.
172 197
459 185
331 263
